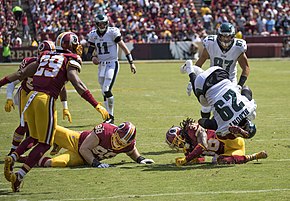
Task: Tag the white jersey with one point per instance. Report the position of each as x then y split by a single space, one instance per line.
225 59
106 47
229 106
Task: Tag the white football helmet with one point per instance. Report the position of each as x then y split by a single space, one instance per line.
102 23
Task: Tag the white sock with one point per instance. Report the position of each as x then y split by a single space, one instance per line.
111 105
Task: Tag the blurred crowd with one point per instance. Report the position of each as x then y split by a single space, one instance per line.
144 21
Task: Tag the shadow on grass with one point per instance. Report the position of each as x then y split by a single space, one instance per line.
161 152
173 167
81 126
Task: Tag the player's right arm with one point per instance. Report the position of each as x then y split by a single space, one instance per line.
202 58
82 90
91 141
21 74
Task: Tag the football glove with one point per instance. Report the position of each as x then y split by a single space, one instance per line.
66 113
103 111
103 165
9 104
189 89
180 161
239 88
147 161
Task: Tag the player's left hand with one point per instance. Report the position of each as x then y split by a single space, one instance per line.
239 88
189 89
66 113
9 104
103 111
133 68
180 161
147 161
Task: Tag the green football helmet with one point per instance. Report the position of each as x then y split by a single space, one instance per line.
102 23
226 34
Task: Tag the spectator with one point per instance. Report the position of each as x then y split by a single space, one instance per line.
17 10
6 54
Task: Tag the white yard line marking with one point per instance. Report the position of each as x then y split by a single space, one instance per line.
167 194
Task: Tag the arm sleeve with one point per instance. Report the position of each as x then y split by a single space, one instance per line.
10 89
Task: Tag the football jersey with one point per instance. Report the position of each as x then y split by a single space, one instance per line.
229 106
104 149
214 145
225 59
51 74
106 47
26 84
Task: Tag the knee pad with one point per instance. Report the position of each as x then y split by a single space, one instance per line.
108 94
247 92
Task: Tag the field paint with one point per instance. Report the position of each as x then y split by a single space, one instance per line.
179 194
165 194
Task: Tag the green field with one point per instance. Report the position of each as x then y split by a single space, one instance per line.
155 99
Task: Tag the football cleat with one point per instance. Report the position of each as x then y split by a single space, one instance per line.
8 167
16 182
257 156
239 132
55 149
111 120
185 66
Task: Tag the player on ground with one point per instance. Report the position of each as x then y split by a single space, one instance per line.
226 51
105 41
197 142
92 146
233 111
20 97
54 69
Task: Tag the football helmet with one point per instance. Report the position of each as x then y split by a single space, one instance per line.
250 127
124 134
226 34
102 23
174 139
45 45
69 41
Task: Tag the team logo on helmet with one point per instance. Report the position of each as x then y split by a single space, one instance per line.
46 45
174 139
123 136
69 41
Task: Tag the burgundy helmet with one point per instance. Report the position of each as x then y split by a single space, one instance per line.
174 139
68 41
124 134
46 45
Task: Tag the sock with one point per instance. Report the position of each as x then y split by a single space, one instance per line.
23 147
35 155
111 105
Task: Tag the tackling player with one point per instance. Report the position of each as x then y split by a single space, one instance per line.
105 41
21 97
226 51
53 70
197 142
92 146
233 111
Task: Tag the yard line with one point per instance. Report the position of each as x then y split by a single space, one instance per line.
178 194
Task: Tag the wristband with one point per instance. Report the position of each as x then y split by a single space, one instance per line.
64 105
242 80
139 159
4 81
89 97
96 163
129 58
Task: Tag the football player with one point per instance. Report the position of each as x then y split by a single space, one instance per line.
197 142
224 50
233 111
90 147
105 41
51 71
20 97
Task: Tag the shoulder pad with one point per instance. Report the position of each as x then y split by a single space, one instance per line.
76 62
242 44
